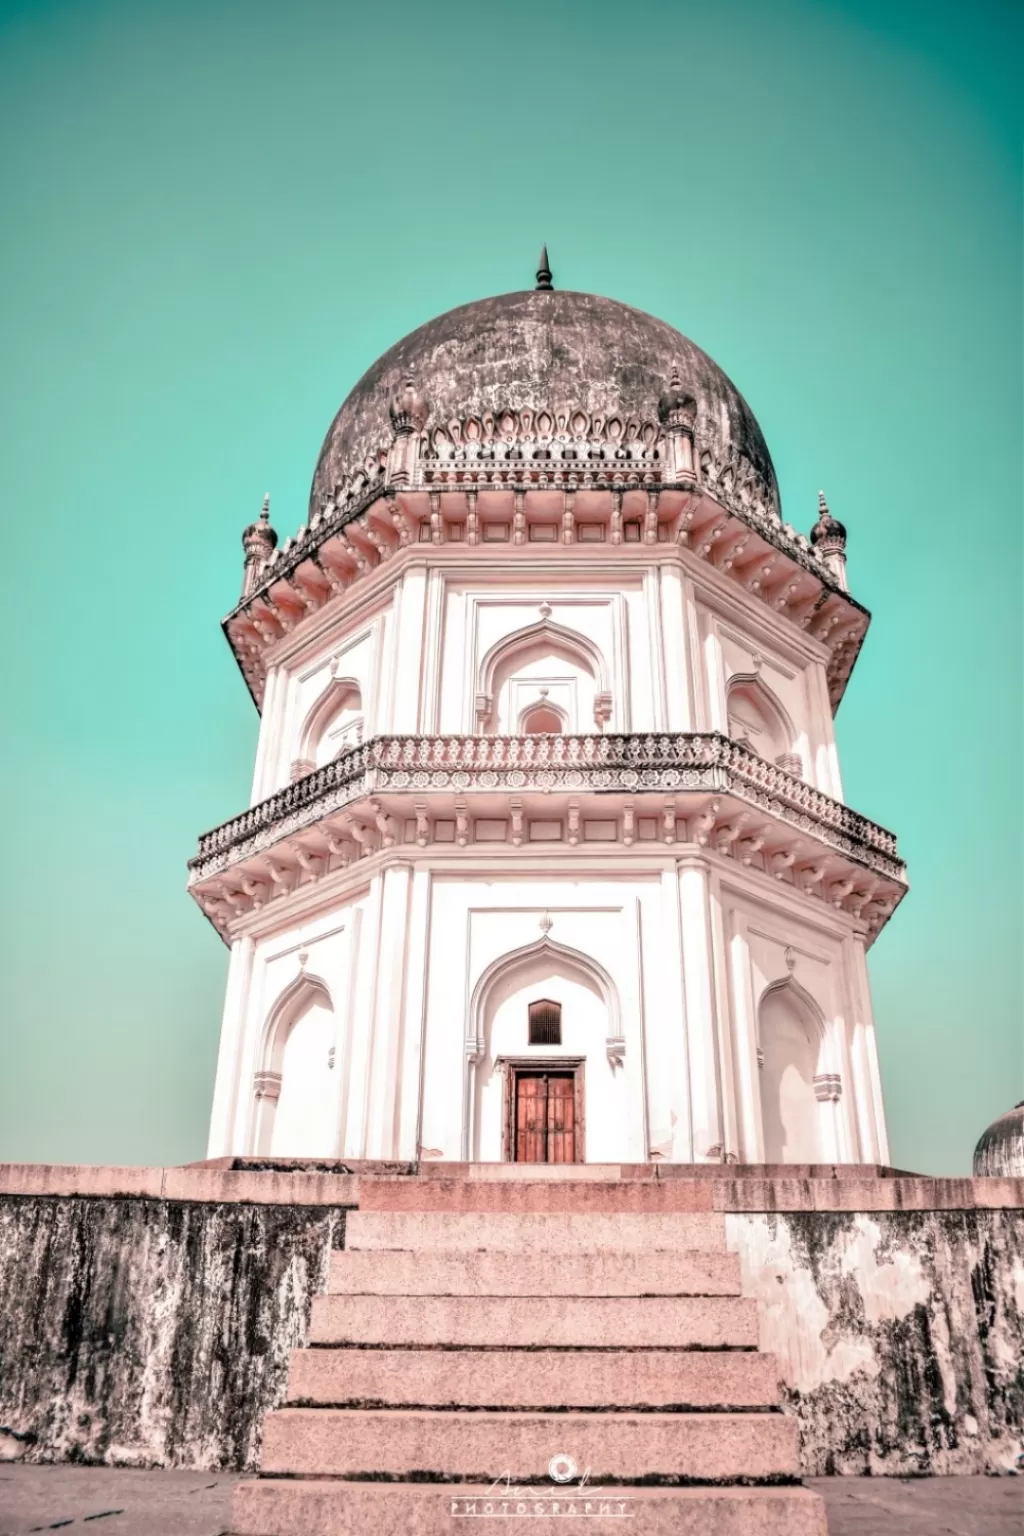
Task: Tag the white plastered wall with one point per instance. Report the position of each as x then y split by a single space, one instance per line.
768 943
734 642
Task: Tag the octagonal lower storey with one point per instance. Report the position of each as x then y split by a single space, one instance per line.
703 1011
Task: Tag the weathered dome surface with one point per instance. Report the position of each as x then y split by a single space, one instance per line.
541 350
1000 1152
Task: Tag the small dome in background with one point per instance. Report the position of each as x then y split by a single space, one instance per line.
1000 1152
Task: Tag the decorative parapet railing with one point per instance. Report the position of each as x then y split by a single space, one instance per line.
660 763
438 487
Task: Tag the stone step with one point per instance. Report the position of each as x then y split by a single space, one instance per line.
533 1378
632 1322
404 1273
479 1447
536 1232
307 1508
583 1196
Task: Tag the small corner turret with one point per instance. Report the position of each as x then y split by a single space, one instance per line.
259 541
828 536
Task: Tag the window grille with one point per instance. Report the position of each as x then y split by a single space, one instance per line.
545 1023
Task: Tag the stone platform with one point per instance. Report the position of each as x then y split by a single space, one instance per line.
156 1317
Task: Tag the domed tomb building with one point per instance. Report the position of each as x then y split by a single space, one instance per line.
547 857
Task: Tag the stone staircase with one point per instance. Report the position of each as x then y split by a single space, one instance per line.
532 1349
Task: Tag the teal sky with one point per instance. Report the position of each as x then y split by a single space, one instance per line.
215 215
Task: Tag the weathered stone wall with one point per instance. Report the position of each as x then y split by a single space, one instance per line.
151 1332
899 1334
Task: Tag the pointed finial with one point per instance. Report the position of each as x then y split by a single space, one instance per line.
265 509
822 505
544 283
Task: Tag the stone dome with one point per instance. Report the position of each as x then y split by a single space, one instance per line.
541 350
1000 1152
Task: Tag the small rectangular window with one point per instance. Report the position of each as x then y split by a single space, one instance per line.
545 1023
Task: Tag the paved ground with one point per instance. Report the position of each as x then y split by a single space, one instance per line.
121 1502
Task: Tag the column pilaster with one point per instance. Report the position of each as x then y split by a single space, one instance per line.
701 1007
414 1017
229 1067
364 983
385 1062
750 1131
870 1104
665 1057
679 716
410 597
268 743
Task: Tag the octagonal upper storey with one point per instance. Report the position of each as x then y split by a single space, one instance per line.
544 421
543 351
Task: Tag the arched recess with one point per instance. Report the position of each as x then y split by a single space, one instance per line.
594 1031
296 1094
542 719
333 725
758 720
544 656
794 1090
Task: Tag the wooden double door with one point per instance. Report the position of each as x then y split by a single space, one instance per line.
544 1113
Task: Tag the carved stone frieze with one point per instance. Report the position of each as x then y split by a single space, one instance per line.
401 789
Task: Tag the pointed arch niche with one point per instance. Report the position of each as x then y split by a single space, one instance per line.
296 1087
498 1029
544 671
797 1098
757 720
333 725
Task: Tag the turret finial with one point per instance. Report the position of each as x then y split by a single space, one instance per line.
544 283
822 505
259 542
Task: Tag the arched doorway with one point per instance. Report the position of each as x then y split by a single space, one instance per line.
545 1081
790 1032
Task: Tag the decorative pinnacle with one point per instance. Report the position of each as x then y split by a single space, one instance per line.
544 283
823 505
265 509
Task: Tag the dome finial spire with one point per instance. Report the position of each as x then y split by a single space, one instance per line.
544 283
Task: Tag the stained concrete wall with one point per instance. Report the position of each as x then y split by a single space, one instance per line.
147 1332
899 1335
